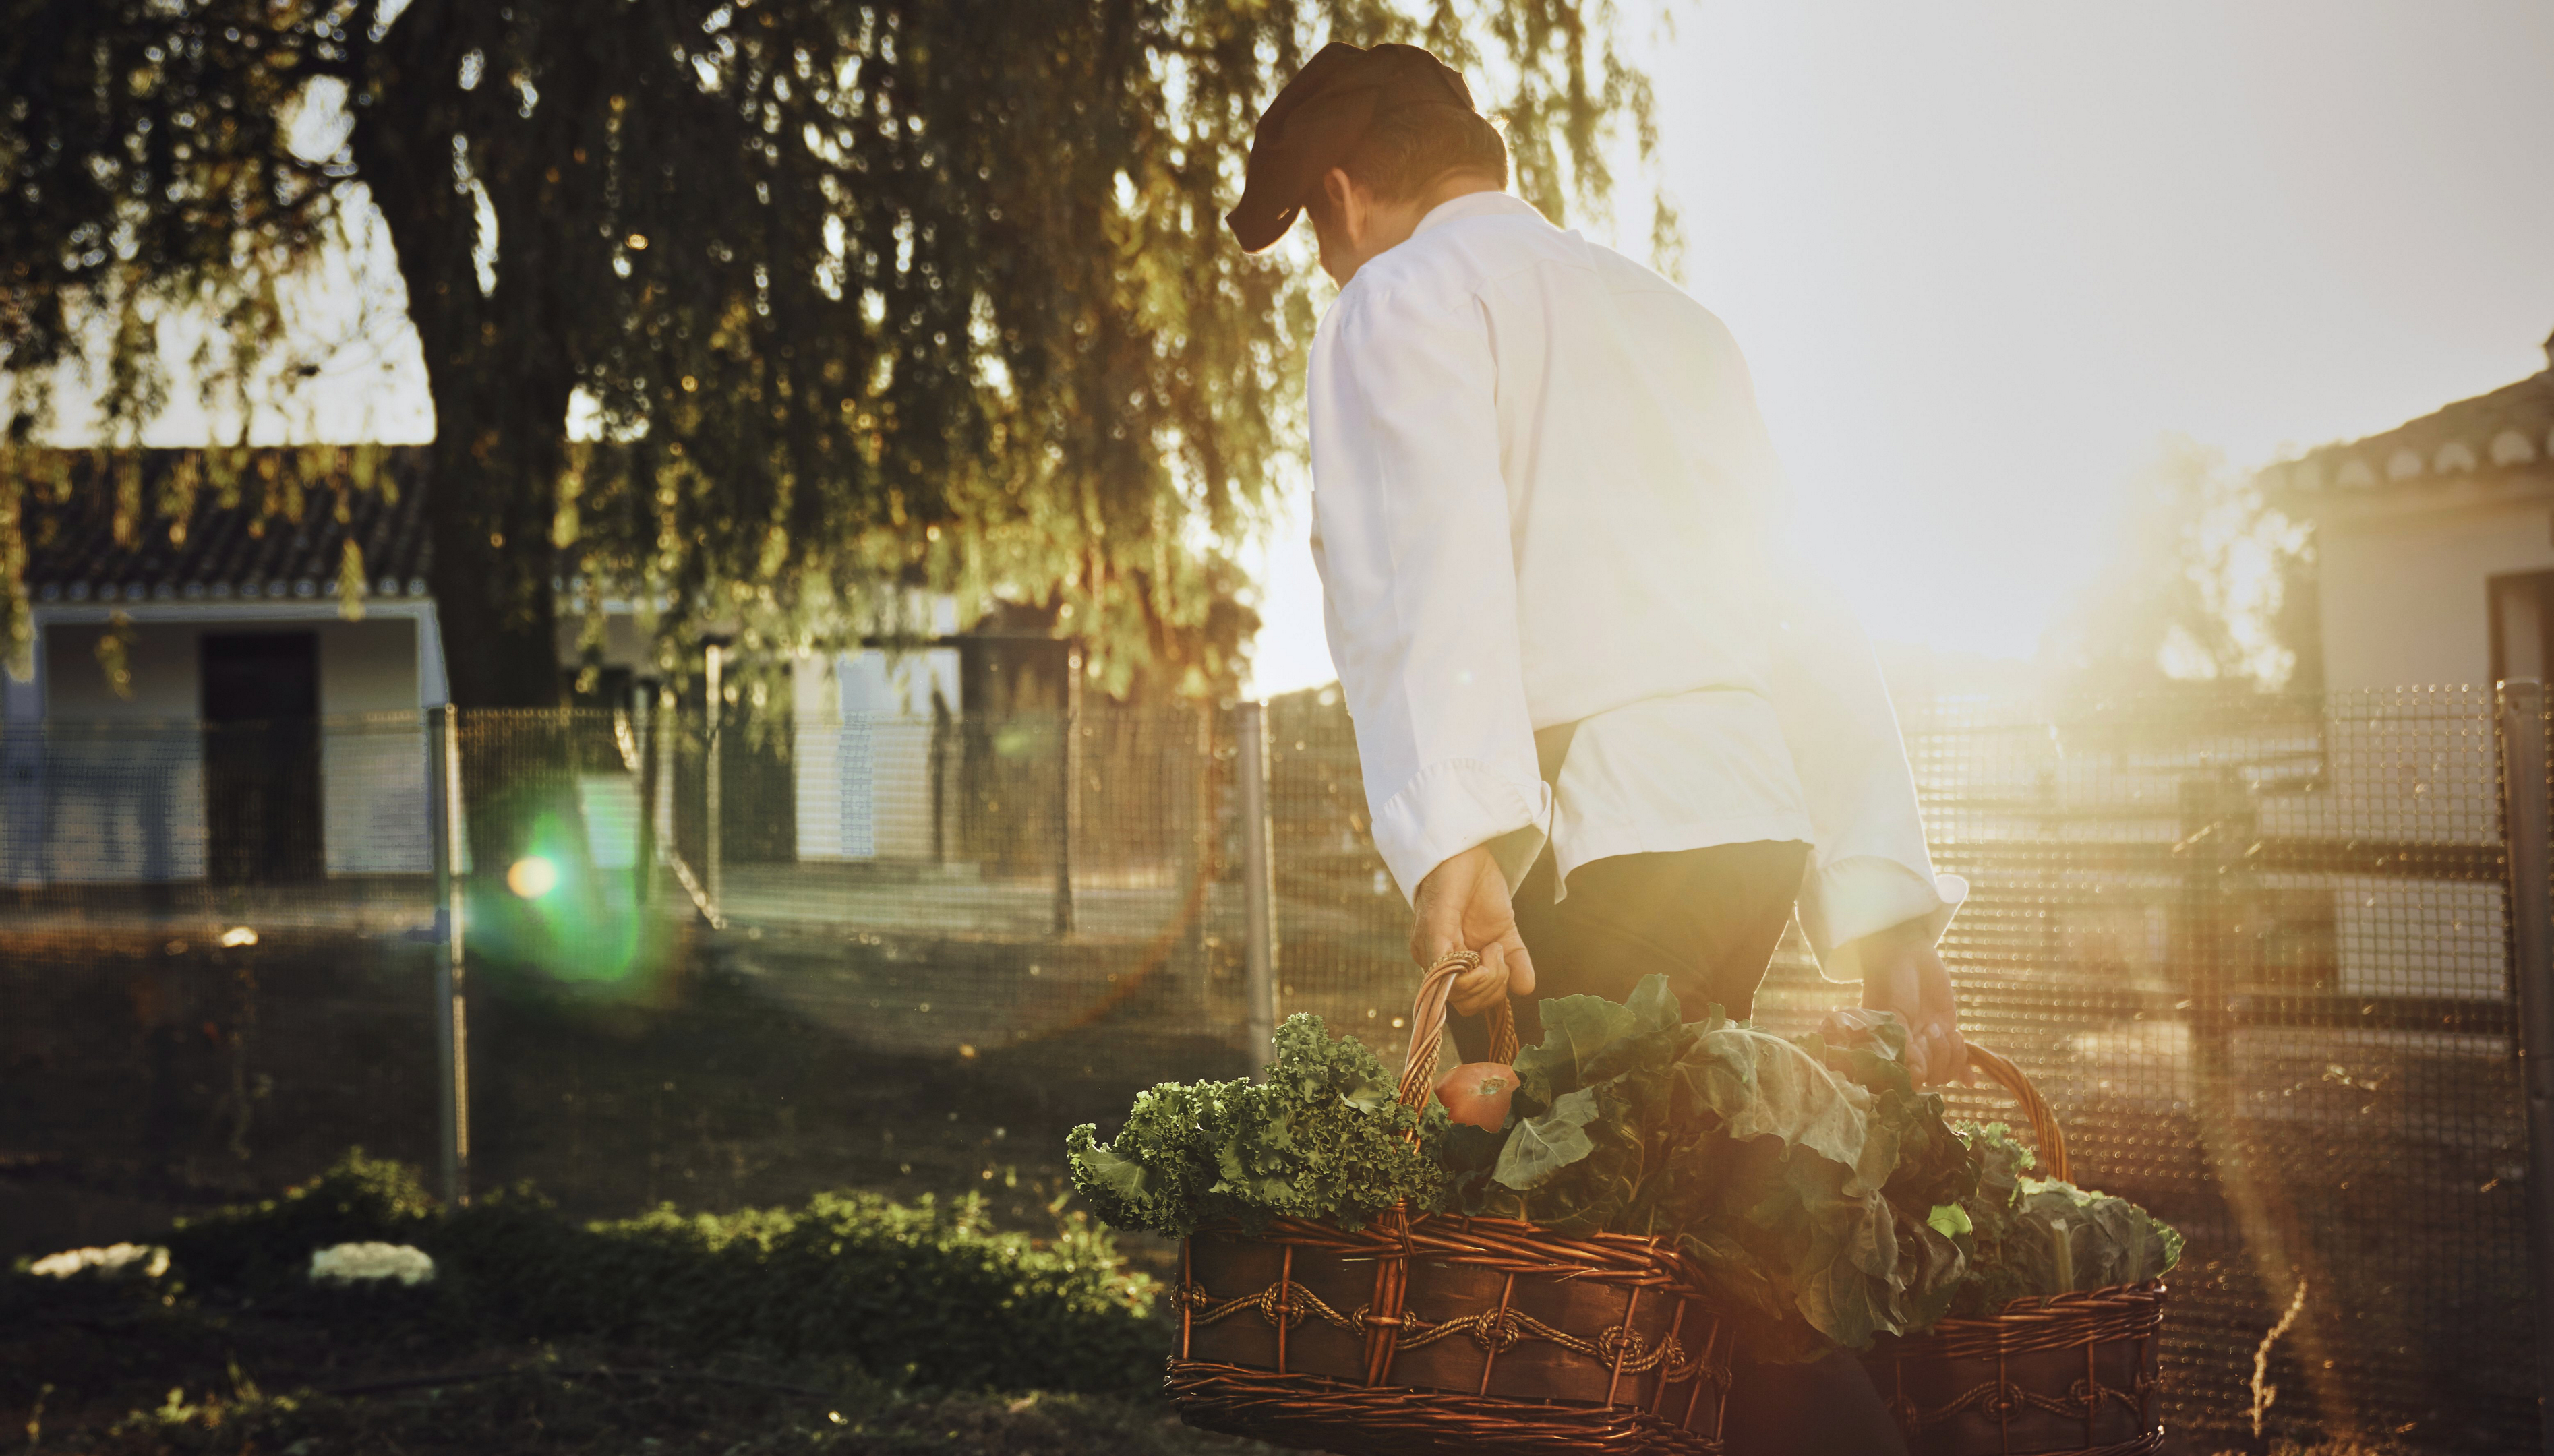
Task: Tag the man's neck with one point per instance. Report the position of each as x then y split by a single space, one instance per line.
1389 225
1454 186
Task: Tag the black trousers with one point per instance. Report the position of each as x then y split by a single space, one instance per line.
1709 920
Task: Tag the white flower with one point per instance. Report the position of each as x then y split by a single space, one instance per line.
114 1261
349 1263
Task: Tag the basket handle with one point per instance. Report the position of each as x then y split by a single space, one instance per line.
1428 1021
2044 1130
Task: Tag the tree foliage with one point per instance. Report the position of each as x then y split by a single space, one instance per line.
2211 584
865 296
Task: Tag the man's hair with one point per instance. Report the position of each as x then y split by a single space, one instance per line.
1411 148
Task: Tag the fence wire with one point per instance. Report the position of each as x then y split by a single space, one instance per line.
2254 950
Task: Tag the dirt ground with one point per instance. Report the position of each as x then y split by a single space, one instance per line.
151 1080
231 1380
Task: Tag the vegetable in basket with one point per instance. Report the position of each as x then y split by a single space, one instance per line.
1795 1177
1811 1186
2031 1238
1476 1093
1321 1138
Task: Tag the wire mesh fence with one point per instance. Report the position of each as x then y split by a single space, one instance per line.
2254 950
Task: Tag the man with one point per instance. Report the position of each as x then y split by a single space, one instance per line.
1607 730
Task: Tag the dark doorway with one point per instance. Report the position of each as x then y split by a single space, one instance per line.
2522 626
262 758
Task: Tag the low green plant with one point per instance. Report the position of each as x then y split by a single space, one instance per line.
268 1245
927 1294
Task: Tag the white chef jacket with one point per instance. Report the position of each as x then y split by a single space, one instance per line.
1542 494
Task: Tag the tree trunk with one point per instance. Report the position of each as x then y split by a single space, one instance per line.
499 366
500 371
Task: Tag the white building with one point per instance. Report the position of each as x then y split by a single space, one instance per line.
2435 542
2435 579
104 775
205 705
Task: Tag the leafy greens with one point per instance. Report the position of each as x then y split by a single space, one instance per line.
2031 1238
1321 1136
1816 1189
1797 1178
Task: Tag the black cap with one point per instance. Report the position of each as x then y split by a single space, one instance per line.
1319 118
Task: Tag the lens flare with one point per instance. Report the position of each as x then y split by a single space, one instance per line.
532 876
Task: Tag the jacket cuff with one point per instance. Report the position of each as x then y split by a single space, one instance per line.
1843 902
1452 806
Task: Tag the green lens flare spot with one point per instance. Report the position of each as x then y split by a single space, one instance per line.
532 876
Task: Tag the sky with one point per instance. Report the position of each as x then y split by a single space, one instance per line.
1983 257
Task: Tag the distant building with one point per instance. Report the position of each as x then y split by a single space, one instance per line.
226 620
2435 571
2435 542
242 725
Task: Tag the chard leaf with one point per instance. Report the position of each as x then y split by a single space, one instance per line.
1541 1146
1763 1086
1579 1031
1654 1007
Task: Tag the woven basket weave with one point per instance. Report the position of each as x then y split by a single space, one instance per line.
1442 1334
2073 1373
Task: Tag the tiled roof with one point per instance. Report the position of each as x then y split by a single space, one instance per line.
2510 429
241 554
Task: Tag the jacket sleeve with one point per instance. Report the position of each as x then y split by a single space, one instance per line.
1869 869
1411 534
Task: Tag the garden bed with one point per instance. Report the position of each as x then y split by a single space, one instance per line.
847 1324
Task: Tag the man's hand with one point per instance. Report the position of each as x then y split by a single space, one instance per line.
1462 905
1901 974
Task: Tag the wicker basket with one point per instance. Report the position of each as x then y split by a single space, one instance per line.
1439 1333
2073 1373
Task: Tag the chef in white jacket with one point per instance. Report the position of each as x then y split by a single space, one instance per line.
1608 727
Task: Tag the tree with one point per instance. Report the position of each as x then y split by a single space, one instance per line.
2211 584
869 296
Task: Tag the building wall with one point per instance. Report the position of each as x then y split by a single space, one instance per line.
2403 594
862 752
371 750
118 782
2405 603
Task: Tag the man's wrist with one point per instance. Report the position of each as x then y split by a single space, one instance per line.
1896 945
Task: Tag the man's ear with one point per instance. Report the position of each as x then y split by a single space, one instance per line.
1346 209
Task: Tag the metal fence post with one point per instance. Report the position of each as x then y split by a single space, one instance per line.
451 1025
713 853
1258 885
1068 769
2524 780
642 869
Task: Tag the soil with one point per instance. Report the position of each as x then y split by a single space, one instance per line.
98 1371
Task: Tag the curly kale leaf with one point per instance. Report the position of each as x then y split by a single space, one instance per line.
1321 1138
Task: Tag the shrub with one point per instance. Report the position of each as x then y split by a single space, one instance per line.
268 1246
927 1294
